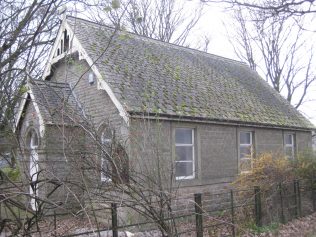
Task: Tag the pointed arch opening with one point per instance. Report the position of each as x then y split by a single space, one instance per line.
33 144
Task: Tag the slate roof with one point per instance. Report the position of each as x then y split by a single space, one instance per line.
55 101
149 76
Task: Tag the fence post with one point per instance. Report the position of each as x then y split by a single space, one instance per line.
232 212
299 198
198 214
114 219
295 198
281 203
258 212
313 193
55 224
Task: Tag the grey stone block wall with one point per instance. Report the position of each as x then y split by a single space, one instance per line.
60 160
268 140
216 147
303 141
95 103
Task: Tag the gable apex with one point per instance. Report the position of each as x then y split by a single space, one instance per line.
72 45
29 96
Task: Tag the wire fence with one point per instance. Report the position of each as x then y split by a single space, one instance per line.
222 213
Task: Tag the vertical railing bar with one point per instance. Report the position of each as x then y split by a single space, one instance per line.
299 201
313 193
198 214
281 203
114 220
55 224
232 212
295 198
258 205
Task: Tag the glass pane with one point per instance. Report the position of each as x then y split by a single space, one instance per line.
106 168
245 165
245 152
5 159
184 153
184 136
34 140
184 169
106 135
245 137
288 139
289 152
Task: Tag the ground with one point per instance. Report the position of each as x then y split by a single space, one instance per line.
302 227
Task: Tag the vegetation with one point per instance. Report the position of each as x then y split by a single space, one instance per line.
13 174
273 227
272 168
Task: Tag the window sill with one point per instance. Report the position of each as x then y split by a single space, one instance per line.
185 178
105 180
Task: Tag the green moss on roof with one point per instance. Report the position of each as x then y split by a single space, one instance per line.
152 76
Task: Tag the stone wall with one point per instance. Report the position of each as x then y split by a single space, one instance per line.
216 148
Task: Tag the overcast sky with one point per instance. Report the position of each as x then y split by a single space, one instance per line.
216 23
212 24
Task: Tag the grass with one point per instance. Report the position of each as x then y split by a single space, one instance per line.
273 227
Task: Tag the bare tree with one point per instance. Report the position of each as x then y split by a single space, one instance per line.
165 20
275 47
144 188
272 8
27 29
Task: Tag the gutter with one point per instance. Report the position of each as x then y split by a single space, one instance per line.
182 118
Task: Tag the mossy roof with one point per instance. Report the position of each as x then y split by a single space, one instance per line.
150 76
56 102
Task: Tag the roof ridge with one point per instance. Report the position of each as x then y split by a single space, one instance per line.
160 41
50 82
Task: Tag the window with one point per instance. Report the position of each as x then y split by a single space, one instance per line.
106 142
34 168
245 151
289 145
5 160
184 162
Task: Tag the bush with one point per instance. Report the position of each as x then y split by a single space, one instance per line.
267 169
272 168
10 173
305 165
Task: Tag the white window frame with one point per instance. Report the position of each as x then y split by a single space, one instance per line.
34 167
104 141
193 154
292 145
251 151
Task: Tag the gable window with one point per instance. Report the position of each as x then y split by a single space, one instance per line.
245 151
289 144
184 150
106 150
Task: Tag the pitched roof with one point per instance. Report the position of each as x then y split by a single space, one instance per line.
149 76
55 101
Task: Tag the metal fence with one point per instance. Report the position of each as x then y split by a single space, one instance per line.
223 213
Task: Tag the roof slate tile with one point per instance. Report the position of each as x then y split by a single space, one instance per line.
56 102
149 76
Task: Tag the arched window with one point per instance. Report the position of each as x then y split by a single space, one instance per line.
106 155
34 168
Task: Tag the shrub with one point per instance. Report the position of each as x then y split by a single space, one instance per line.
10 173
305 165
267 169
